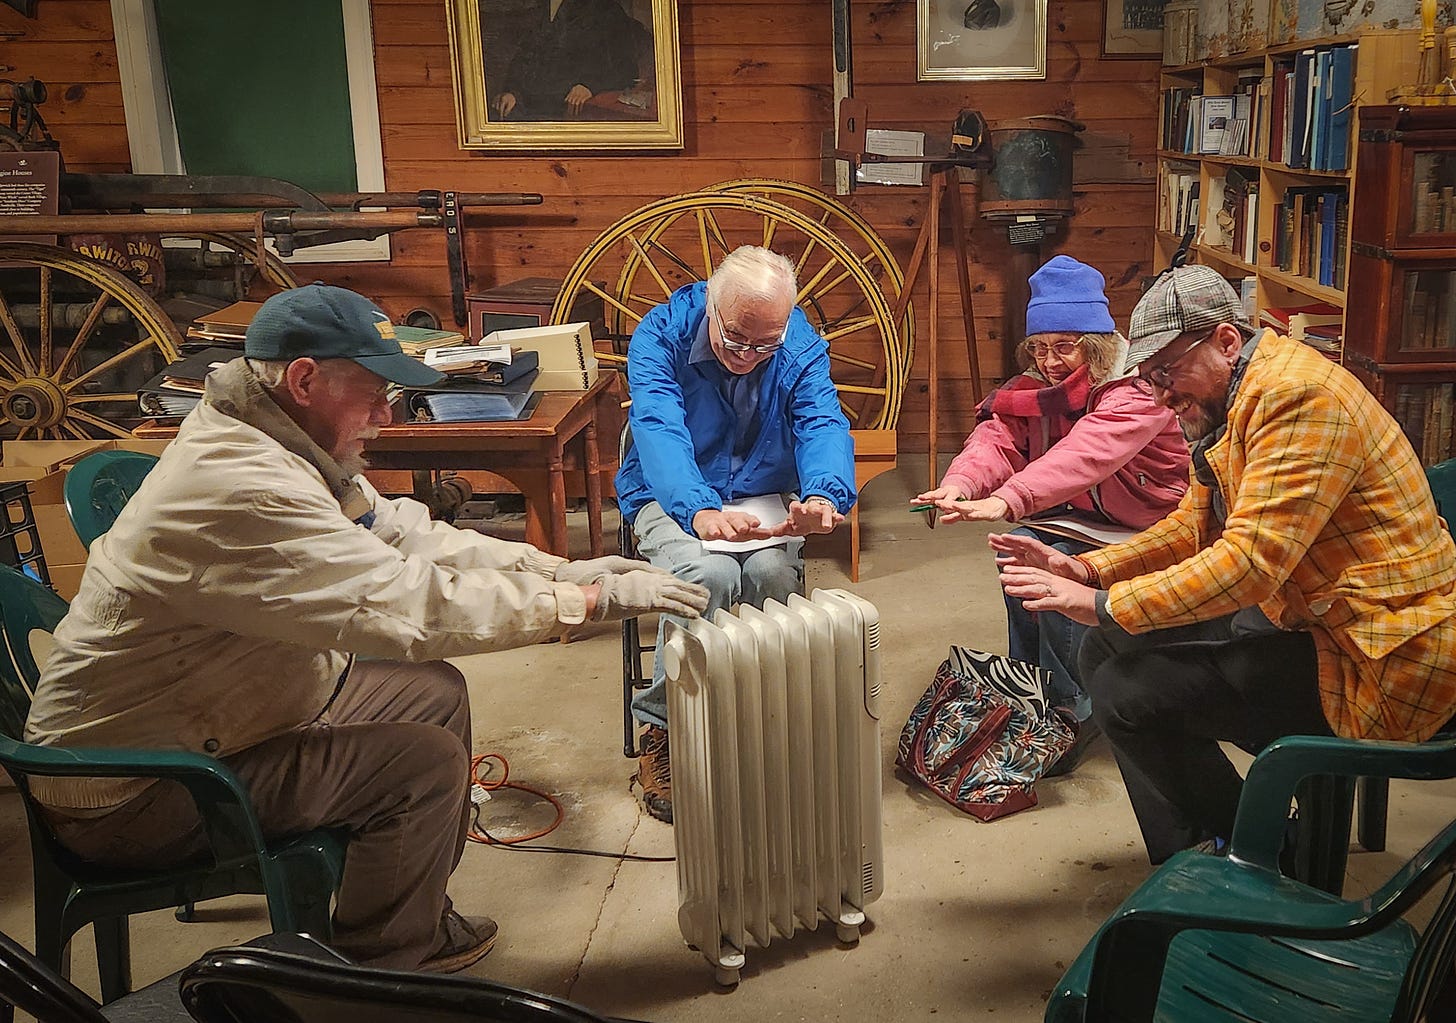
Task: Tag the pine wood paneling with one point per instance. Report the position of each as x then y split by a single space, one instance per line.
757 102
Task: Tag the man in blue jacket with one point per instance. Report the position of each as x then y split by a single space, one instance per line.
731 399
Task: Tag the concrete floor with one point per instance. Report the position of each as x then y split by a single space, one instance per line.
977 920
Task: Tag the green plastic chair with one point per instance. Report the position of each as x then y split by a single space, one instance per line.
298 874
98 487
1374 793
1226 938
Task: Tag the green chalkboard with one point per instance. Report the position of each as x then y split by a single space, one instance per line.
261 88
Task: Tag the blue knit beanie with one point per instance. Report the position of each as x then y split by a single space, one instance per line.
1067 298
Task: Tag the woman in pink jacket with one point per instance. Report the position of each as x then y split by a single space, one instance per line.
1077 431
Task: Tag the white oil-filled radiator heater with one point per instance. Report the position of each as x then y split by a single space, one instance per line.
775 750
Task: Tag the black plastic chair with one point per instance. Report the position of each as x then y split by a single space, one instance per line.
250 985
34 988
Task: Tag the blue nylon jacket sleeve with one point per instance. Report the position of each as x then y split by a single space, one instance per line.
823 450
659 421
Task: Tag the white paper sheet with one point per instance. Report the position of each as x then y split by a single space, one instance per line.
770 511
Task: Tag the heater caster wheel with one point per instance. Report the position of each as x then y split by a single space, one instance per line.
848 934
726 976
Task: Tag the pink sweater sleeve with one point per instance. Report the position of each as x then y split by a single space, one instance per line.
991 456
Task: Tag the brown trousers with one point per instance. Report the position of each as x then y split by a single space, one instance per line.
388 761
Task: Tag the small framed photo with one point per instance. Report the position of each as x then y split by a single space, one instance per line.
980 40
1132 29
566 74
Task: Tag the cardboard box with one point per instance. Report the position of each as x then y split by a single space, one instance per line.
44 465
66 579
47 454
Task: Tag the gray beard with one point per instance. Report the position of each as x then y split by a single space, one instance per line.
353 464
1214 415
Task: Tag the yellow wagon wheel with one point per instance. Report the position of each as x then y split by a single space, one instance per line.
639 261
274 271
853 229
77 339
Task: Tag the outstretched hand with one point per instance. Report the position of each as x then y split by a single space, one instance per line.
716 524
807 517
1015 549
1040 590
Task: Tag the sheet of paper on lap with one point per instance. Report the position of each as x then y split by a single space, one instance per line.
769 509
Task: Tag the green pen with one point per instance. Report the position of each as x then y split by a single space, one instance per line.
922 507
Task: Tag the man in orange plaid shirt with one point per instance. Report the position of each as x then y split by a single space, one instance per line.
1304 585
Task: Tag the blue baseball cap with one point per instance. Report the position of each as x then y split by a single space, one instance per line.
319 321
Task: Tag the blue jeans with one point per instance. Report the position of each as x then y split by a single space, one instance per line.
1049 639
771 573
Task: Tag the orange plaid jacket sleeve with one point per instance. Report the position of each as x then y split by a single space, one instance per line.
1331 527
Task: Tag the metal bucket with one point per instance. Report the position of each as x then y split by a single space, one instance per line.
1032 172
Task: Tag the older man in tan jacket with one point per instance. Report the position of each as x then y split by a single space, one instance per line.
223 611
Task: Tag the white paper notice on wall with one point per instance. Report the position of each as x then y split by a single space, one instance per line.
889 142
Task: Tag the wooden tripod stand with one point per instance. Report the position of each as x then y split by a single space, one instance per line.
944 180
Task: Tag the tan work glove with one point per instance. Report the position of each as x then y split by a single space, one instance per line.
635 593
594 570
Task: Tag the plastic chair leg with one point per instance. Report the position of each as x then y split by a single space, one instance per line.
113 956
52 947
1322 848
1374 806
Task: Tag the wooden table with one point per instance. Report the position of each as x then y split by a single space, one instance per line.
534 454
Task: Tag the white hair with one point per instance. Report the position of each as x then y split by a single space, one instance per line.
269 371
753 273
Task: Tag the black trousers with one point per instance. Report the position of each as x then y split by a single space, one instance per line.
1166 698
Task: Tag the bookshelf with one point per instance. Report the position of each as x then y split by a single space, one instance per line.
1401 336
1273 205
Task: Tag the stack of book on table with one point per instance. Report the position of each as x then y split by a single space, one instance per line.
175 391
223 327
484 383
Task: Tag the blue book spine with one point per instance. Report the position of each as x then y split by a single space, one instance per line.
1299 118
1328 204
1342 93
1319 119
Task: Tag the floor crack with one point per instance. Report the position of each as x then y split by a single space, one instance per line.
601 908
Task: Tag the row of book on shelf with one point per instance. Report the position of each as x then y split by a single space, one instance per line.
1425 413
498 378
1310 223
1301 115
1310 226
1428 317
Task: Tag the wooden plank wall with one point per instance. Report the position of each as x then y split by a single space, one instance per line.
757 101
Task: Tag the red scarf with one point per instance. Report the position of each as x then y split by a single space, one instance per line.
1029 397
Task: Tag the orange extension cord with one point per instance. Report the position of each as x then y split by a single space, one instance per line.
484 837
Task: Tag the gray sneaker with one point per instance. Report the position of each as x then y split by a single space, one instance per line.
466 940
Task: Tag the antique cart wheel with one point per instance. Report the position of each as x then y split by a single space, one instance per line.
850 228
640 260
77 339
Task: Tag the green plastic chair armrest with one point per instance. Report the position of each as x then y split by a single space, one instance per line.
222 801
1275 773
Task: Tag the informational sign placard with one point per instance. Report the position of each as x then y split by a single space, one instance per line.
30 185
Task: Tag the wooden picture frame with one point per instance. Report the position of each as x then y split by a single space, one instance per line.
1132 29
504 54
980 40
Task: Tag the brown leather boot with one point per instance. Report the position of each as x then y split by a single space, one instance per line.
654 774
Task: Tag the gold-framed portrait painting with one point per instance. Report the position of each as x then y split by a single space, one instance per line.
980 40
566 74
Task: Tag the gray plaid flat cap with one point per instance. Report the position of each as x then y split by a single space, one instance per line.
1187 300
